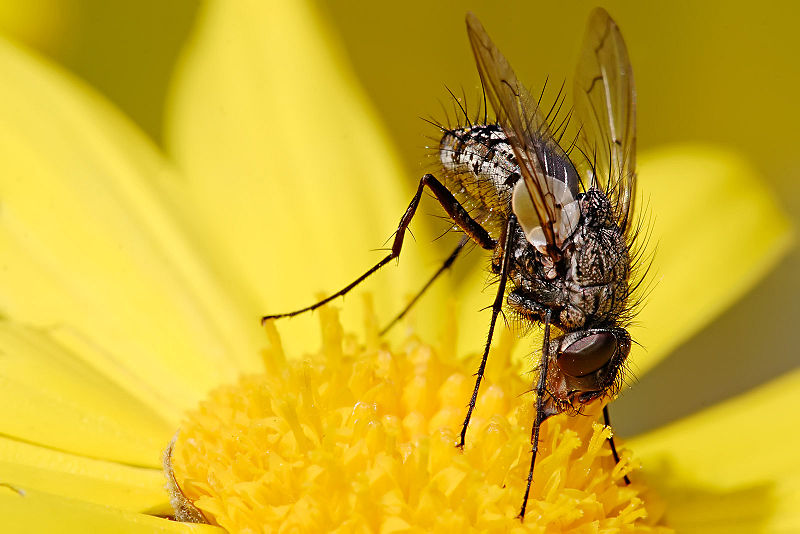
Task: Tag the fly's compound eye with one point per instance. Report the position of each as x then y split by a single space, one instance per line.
587 354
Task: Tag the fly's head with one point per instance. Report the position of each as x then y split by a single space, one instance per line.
585 365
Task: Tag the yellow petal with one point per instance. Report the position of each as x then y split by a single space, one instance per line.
27 511
41 24
91 254
54 398
716 231
97 481
293 184
732 468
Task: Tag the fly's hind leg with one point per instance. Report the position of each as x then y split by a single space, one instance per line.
454 209
541 386
446 265
497 306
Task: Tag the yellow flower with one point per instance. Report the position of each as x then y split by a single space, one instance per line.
133 281
362 439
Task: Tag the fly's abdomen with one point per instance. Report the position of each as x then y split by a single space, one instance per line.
480 170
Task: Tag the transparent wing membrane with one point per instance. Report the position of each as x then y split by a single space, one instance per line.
537 152
605 106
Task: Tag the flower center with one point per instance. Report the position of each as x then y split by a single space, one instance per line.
362 439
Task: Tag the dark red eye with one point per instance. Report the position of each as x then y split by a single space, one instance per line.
587 354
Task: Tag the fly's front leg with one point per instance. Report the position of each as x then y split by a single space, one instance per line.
541 386
454 209
497 306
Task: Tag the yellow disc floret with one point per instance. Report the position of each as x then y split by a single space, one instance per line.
360 438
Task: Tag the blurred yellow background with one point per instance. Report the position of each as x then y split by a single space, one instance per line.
725 73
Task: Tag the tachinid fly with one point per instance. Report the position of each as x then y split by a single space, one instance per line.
558 221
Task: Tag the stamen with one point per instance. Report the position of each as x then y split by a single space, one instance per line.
362 438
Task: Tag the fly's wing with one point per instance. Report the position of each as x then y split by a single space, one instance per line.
538 154
605 105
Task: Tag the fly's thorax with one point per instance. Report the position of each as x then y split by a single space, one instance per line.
597 266
589 285
596 209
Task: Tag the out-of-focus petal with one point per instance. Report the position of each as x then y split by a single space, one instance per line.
732 468
292 183
108 483
54 398
27 511
90 254
715 232
40 24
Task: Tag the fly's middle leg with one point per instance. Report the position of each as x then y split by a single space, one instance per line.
444 267
497 306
